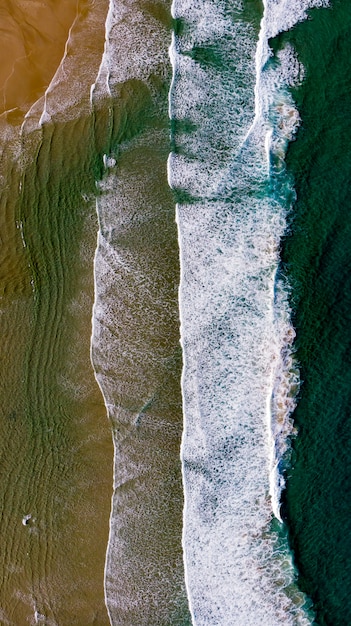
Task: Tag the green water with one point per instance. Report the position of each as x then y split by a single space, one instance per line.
137 357
317 260
56 449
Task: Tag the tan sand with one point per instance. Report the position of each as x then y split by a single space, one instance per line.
33 35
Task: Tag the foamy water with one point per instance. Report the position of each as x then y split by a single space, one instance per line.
239 377
135 341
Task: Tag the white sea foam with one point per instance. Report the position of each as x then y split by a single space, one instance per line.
129 310
59 76
101 86
239 377
67 95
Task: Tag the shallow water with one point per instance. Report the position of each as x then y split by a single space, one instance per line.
55 441
136 351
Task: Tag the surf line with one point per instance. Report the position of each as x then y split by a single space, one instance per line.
279 406
239 377
278 118
100 90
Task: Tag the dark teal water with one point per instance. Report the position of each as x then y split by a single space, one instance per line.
317 259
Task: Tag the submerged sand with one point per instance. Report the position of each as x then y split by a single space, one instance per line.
55 443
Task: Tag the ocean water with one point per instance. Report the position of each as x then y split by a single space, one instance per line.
316 258
233 116
174 313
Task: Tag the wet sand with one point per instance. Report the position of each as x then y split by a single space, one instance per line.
56 449
32 43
